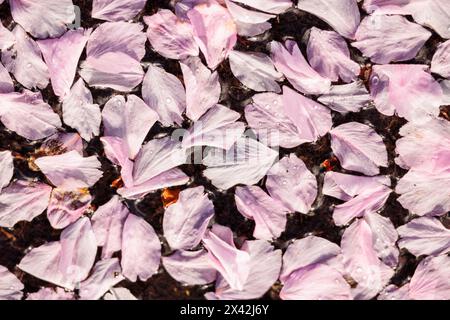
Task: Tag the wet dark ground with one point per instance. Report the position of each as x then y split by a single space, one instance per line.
293 24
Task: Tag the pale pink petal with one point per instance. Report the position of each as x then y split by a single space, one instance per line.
434 14
387 39
214 31
43 18
41 120
290 182
47 294
157 156
107 223
24 60
141 249
387 6
6 83
346 98
267 119
271 6
65 207
246 162
308 251
425 192
130 121
65 262
346 186
70 170
312 119
441 60
80 112
114 52
6 168
165 94
316 282
169 36
216 128
269 214
364 203
23 200
10 287
202 87
170 178
249 23
332 66
424 236
265 265
407 89
64 142
61 56
342 15
190 267
289 60
384 238
392 292
423 142
105 275
7 38
185 221
361 261
115 10
255 70
359 148
232 263
430 280
117 152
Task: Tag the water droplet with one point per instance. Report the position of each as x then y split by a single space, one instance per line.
375 80
12 288
284 182
29 65
337 280
315 107
267 106
168 100
358 270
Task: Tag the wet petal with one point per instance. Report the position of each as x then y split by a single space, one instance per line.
185 221
359 148
165 94
424 236
441 60
61 56
80 112
290 182
255 70
119 294
6 168
332 66
70 170
346 98
246 162
289 60
114 52
115 10
23 200
171 37
214 31
269 214
6 83
249 23
141 249
387 39
271 6
202 87
10 287
66 207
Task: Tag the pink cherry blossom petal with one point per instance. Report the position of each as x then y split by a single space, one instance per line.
7 38
61 56
214 31
202 87
269 214
289 60
290 182
141 249
44 18
119 294
6 168
115 10
10 287
342 15
51 294
70 170
190 267
249 23
114 52
441 60
165 94
331 66
171 37
271 6
359 148
6 83
23 200
346 98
